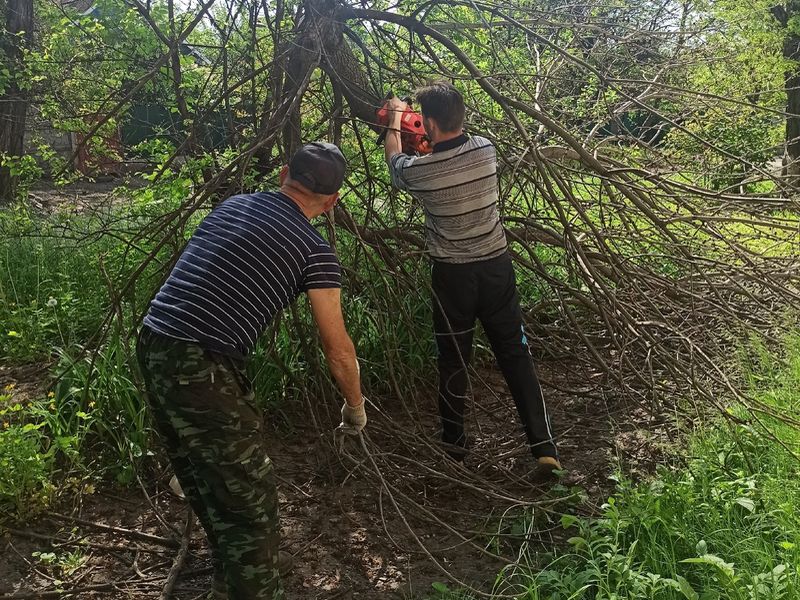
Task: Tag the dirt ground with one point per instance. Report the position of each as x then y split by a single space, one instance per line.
385 518
81 195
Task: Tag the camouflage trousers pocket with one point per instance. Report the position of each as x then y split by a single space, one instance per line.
249 490
231 377
232 460
205 375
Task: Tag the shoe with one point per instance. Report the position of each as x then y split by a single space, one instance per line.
176 488
285 563
458 451
546 467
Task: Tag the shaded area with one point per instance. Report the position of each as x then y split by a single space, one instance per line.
339 511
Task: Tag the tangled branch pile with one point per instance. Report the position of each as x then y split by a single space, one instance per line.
655 238
653 220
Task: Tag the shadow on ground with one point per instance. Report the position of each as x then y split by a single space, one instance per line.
385 518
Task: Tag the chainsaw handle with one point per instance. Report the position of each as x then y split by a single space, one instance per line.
382 135
418 135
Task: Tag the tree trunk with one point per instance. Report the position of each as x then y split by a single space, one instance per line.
342 65
322 43
791 51
18 35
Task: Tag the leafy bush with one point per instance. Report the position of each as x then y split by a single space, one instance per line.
25 470
24 168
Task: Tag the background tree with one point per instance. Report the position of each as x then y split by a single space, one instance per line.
788 16
17 18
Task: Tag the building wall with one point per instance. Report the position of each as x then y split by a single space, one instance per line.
39 130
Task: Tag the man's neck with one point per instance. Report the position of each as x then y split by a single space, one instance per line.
439 137
298 199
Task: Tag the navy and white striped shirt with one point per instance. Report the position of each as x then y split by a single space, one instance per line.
249 258
457 186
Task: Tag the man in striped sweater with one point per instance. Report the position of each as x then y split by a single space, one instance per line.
249 258
472 276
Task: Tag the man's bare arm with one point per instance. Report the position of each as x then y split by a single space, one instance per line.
339 351
393 144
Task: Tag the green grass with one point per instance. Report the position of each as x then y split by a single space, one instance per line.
51 296
57 274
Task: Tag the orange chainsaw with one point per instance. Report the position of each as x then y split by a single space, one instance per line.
413 138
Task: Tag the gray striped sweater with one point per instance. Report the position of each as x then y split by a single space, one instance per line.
457 187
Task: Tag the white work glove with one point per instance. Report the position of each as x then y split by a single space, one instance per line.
353 417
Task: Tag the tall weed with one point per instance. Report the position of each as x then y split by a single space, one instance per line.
97 416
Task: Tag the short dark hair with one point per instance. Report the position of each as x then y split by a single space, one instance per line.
442 102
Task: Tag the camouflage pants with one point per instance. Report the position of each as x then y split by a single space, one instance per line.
203 409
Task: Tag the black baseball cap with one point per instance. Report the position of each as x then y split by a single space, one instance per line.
318 166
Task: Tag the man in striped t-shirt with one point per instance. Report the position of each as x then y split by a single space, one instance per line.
249 258
472 275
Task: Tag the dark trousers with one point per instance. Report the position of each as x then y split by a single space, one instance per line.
485 290
203 409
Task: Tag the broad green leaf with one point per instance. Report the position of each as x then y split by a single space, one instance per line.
714 561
